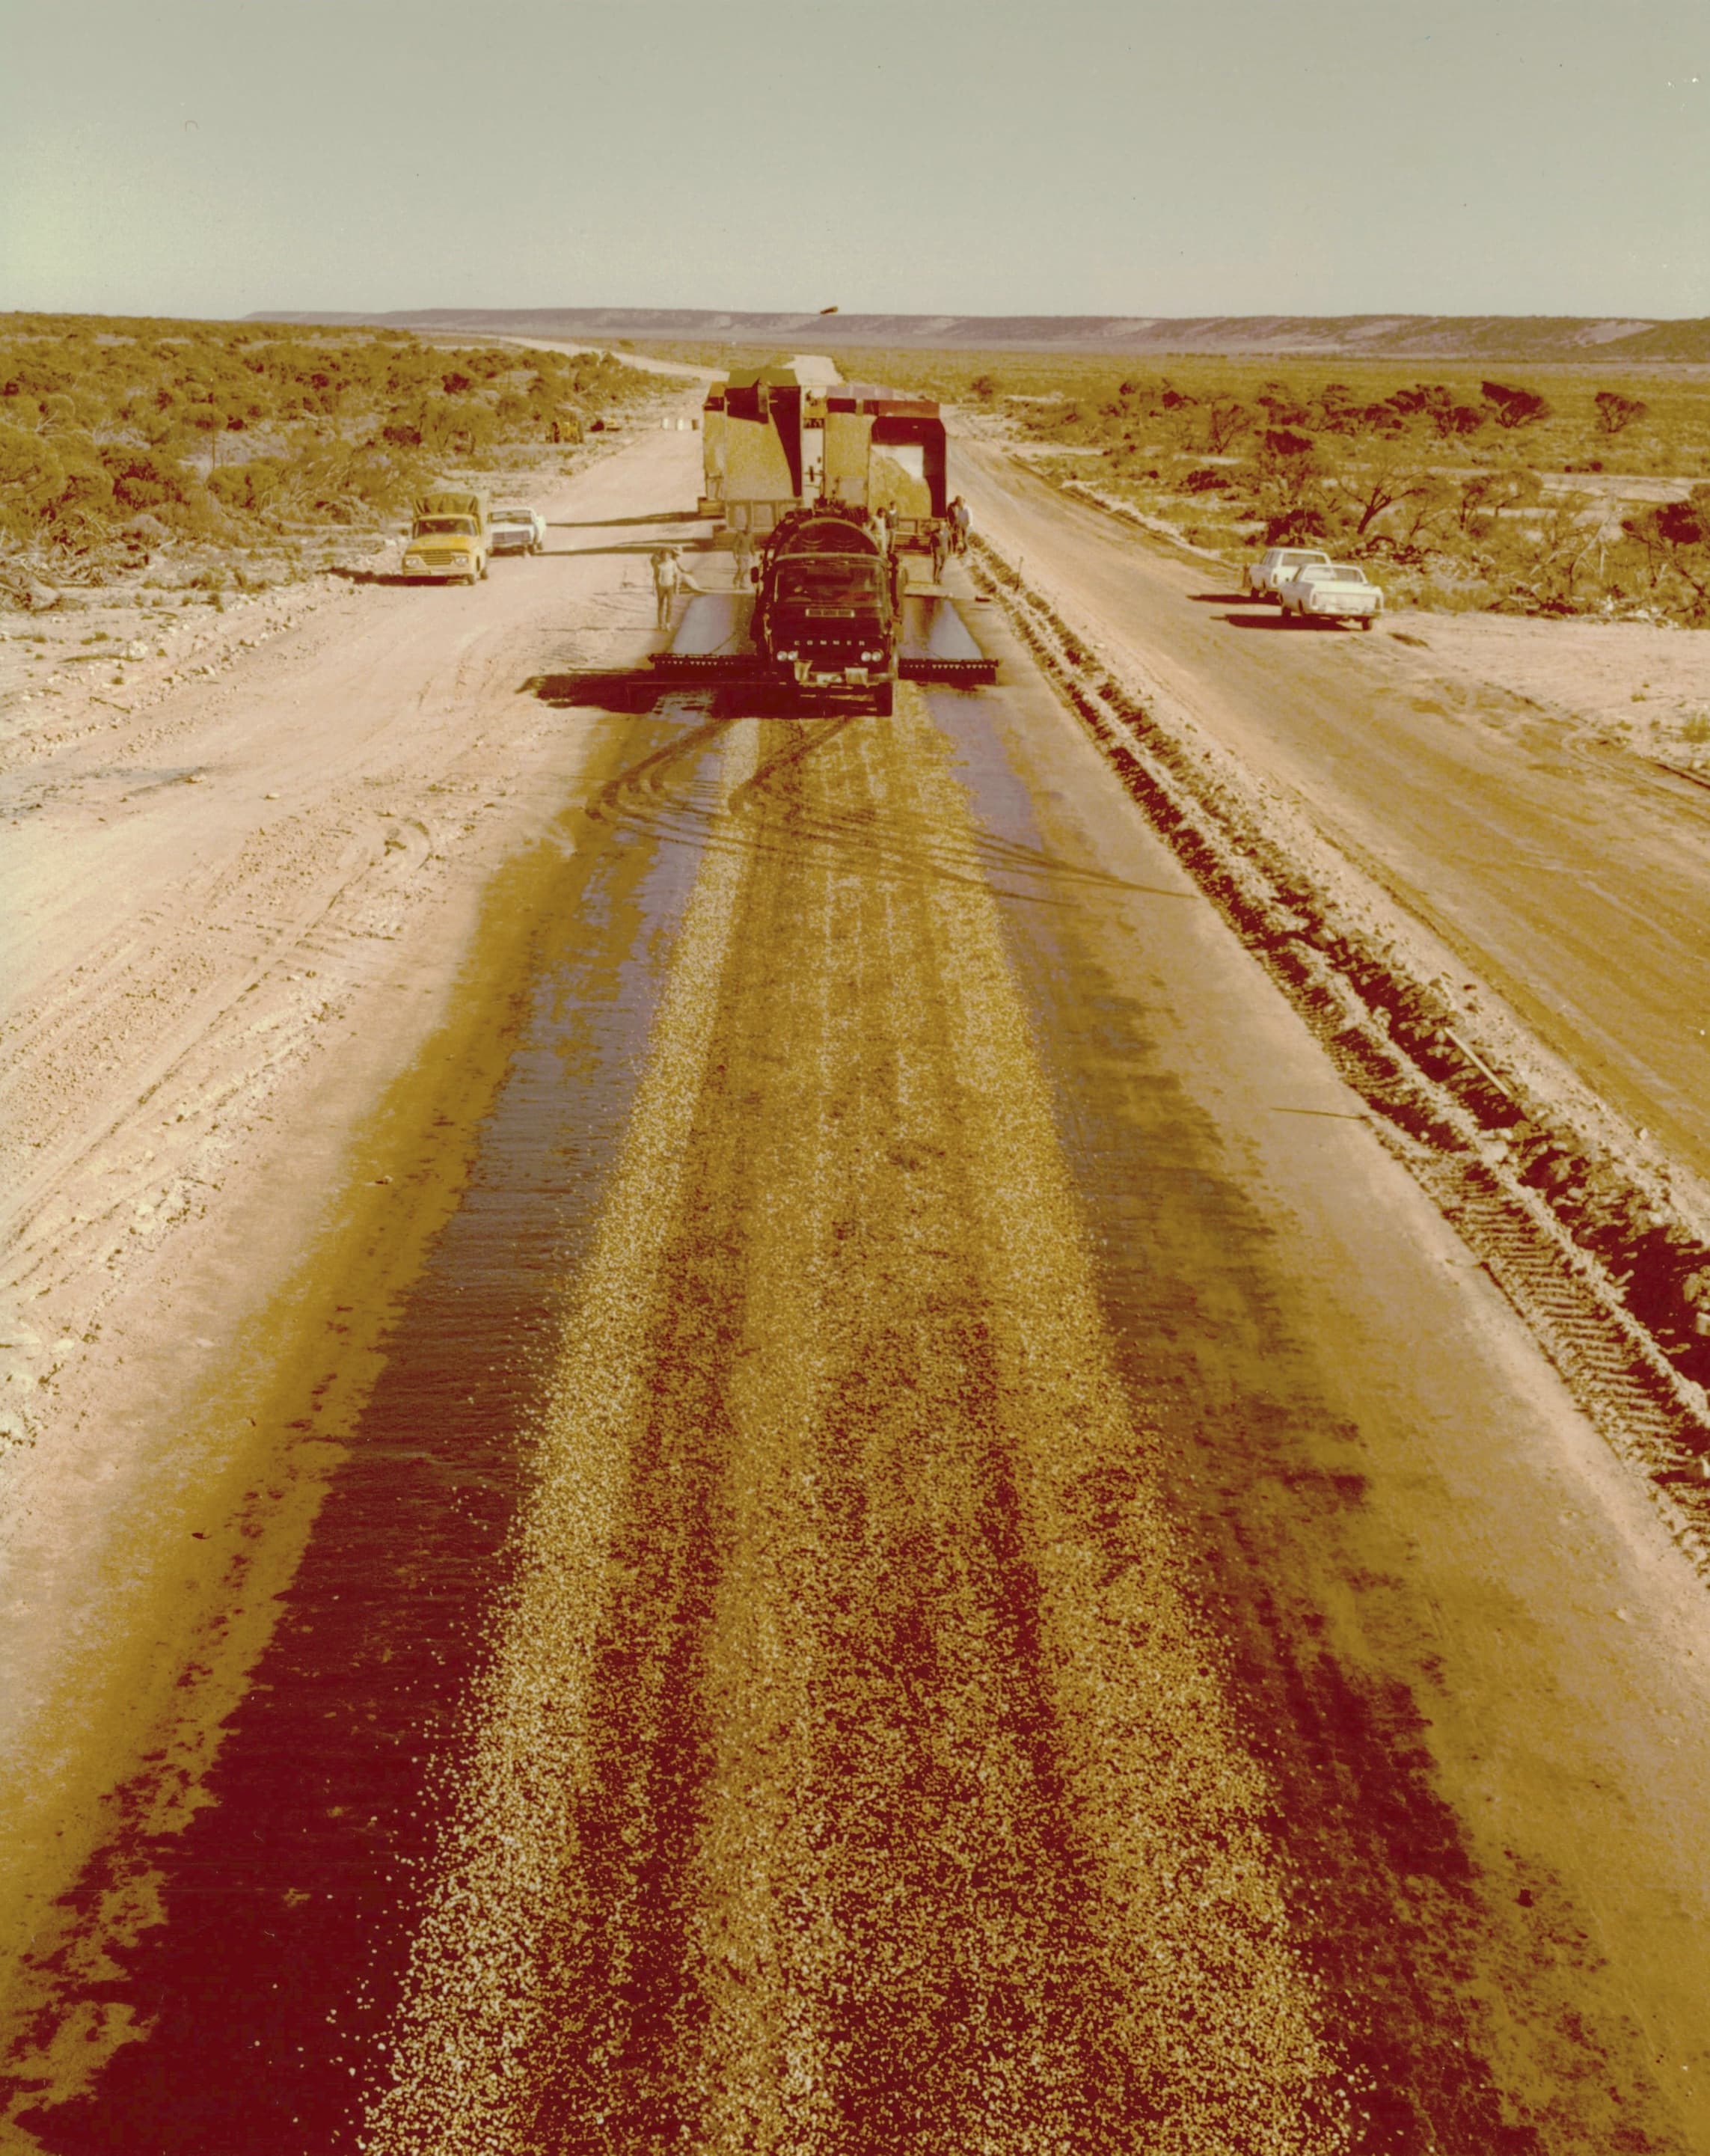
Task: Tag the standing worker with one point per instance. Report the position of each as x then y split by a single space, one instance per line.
667 576
960 521
743 548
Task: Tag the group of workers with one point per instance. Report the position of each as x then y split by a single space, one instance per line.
670 577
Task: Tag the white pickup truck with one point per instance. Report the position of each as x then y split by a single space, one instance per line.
518 531
1275 565
1331 591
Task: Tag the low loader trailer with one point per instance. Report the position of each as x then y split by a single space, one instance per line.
777 440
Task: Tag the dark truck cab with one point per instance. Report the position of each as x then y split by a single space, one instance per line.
828 612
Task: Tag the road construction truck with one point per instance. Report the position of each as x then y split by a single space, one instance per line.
834 620
450 534
840 486
829 608
777 440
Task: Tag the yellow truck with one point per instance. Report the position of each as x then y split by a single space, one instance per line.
450 534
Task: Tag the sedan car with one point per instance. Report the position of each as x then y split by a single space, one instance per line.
1331 591
518 531
1275 565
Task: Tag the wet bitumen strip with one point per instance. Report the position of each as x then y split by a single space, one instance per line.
289 1903
838 1792
461 2070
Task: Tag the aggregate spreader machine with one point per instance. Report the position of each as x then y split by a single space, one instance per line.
839 488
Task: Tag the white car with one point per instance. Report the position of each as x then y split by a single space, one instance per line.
1331 591
518 531
1275 565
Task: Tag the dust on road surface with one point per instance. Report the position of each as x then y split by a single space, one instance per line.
1034 1600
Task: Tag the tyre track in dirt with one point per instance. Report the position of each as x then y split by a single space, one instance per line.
252 853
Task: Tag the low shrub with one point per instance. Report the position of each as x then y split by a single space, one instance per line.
142 433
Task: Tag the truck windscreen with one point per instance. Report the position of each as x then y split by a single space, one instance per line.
835 582
431 527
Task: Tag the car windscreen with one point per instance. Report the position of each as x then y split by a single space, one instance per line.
513 516
1349 571
831 583
461 527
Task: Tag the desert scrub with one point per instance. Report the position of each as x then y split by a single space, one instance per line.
1459 490
121 437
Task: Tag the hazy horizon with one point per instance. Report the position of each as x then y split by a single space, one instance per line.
218 158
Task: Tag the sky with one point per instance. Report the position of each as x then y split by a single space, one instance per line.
1139 157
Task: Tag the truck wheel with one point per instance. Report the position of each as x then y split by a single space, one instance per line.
1368 621
884 701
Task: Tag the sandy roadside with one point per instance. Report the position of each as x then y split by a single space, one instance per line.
1640 685
1629 684
236 916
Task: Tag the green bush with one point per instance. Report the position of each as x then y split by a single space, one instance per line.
1437 479
251 486
148 479
221 430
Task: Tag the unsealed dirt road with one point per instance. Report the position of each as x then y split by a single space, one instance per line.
1572 878
928 1547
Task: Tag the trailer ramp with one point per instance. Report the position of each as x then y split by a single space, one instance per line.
713 642
937 645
